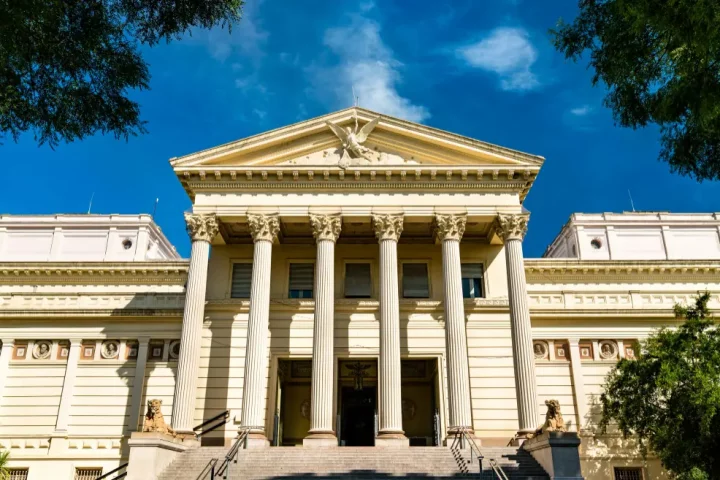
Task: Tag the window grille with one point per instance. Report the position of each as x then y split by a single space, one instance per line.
87 473
241 280
19 474
472 280
302 279
415 281
628 473
358 282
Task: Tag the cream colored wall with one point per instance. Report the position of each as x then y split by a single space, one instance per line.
31 398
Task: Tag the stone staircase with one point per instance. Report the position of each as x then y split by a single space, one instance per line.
357 462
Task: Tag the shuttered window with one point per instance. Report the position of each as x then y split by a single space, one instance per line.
87 473
302 279
472 280
628 473
19 473
415 281
241 280
358 282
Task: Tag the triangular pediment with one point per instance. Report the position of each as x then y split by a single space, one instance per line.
391 142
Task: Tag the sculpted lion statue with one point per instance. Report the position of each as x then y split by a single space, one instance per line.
553 419
154 420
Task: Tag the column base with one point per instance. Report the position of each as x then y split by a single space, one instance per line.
257 440
320 440
452 434
392 439
521 437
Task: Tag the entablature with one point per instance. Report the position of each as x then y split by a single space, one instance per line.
71 273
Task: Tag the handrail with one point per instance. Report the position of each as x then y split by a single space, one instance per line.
221 420
462 435
209 469
499 472
232 455
117 470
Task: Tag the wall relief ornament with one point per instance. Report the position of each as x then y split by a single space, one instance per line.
41 350
511 227
540 349
174 351
450 227
325 227
608 350
201 227
352 140
388 227
110 349
263 227
305 409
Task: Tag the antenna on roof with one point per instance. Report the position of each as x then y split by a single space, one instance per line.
155 207
632 205
91 199
356 99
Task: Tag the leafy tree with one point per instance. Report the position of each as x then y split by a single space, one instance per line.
66 65
4 470
660 60
669 398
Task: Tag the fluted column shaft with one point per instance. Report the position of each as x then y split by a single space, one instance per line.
326 229
388 229
263 229
202 229
512 229
449 230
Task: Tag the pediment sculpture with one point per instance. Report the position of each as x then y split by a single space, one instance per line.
353 152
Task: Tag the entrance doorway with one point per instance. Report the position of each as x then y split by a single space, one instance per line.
358 417
291 421
420 400
357 402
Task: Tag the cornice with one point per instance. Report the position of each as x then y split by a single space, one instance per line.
136 273
99 313
615 271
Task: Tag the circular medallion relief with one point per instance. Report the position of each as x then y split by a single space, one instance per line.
540 349
110 349
175 349
608 350
408 409
41 350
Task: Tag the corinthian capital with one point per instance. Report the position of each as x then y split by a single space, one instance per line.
450 227
325 227
388 227
511 227
263 227
201 227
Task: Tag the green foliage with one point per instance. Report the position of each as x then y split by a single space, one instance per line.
4 470
660 60
66 65
669 398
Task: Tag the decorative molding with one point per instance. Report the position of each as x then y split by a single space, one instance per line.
326 227
449 227
511 227
568 271
91 301
94 273
201 227
388 227
263 227
40 442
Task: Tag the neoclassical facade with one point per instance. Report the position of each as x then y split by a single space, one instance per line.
365 288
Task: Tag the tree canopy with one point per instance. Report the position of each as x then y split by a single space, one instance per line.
669 397
660 61
66 66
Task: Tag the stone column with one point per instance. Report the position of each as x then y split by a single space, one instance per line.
390 432
138 384
8 346
511 229
326 229
202 229
63 418
449 230
264 230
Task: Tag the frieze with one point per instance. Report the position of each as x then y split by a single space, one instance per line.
92 301
136 273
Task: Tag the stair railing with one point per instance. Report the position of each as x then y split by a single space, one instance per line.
499 473
461 437
223 471
119 472
212 424
208 470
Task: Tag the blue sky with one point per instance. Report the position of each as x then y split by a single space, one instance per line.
478 68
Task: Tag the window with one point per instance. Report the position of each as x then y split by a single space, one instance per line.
472 280
19 474
415 280
241 280
628 473
358 282
87 473
302 278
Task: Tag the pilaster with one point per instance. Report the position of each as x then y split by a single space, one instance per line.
578 382
138 384
63 417
8 345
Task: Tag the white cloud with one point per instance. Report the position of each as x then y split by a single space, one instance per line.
581 111
507 52
261 114
369 67
247 38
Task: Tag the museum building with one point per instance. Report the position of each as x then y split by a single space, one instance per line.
354 280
